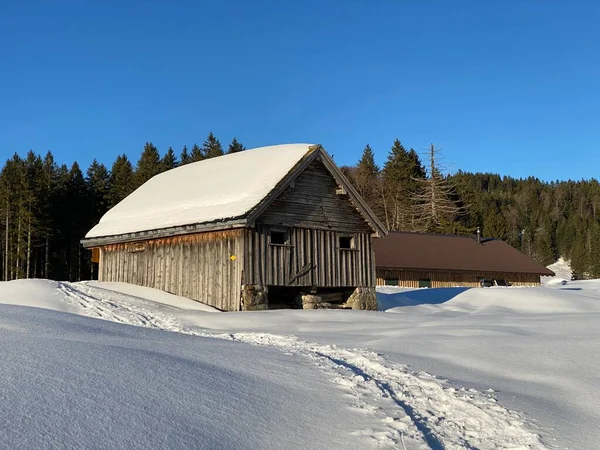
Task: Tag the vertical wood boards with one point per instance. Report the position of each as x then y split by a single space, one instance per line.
410 278
330 266
205 266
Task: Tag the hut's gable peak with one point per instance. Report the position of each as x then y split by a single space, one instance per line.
314 199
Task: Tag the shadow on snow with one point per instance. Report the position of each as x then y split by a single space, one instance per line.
429 296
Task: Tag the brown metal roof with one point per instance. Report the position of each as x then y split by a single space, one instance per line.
402 250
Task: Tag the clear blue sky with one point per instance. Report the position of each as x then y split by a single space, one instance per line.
508 87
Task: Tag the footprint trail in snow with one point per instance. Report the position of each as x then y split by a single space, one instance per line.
416 410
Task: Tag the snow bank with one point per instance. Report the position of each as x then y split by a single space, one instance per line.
562 271
214 189
502 349
74 382
493 300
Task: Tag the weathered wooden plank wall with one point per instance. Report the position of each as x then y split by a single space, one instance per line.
310 258
314 214
205 266
410 278
312 202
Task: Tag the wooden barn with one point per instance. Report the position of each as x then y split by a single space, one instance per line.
270 227
436 260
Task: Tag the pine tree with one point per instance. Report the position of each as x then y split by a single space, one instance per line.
98 181
62 220
169 161
235 146
594 250
397 187
367 161
121 182
49 199
13 183
197 154
148 165
494 225
31 197
365 176
78 199
185 157
212 147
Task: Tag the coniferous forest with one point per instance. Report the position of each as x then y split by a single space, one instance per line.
47 207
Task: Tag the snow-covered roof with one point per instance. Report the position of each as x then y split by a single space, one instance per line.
215 189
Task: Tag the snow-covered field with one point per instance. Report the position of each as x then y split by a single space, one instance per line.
439 368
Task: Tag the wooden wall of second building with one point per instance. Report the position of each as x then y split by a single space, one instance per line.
309 257
205 266
416 278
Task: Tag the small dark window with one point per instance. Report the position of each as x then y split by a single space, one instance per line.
486 283
346 242
279 237
425 282
391 282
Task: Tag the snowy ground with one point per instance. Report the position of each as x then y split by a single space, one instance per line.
562 272
440 368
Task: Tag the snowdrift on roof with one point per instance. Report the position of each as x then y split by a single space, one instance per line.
211 190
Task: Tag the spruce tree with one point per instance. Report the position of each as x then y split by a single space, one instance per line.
197 154
235 146
185 157
121 180
494 225
212 147
365 177
98 181
78 199
148 165
398 186
48 213
367 161
169 161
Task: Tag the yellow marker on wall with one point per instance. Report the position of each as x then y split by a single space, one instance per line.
233 257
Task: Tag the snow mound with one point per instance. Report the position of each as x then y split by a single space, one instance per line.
214 189
562 270
494 299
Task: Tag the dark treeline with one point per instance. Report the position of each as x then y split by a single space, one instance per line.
543 219
46 208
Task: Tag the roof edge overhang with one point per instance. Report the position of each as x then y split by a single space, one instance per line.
248 219
164 232
549 273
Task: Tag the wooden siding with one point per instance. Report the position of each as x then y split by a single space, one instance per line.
205 266
311 201
311 257
410 278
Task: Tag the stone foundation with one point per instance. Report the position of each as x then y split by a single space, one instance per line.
255 297
314 302
363 298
